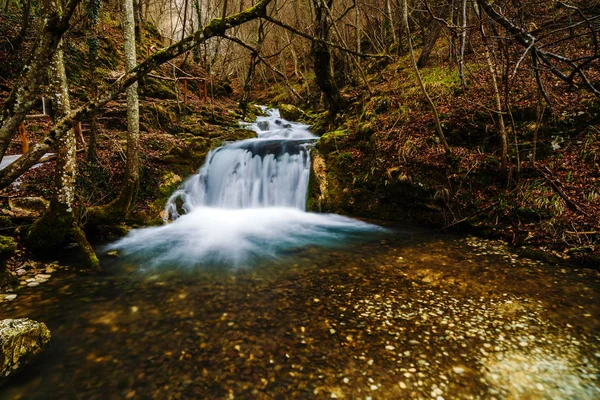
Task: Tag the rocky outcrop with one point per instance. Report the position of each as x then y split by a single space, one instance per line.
27 207
20 341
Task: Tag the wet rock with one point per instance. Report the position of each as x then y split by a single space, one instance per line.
27 207
20 341
263 125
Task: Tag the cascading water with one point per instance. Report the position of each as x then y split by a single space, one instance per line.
247 202
270 171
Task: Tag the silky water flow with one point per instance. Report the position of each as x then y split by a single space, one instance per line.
246 203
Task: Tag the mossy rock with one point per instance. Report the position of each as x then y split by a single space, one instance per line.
8 246
328 141
290 112
252 112
157 88
157 116
20 341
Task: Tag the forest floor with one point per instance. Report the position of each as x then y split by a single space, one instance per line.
384 153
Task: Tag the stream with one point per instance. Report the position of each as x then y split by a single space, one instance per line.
244 294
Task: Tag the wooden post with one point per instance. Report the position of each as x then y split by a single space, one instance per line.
24 142
185 91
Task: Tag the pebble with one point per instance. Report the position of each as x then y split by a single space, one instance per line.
43 276
33 284
458 370
21 272
10 297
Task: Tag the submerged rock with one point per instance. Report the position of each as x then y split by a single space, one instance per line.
20 341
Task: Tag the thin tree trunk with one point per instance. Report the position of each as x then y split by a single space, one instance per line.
497 98
463 41
322 60
57 223
390 16
24 25
436 117
429 44
358 30
122 205
251 68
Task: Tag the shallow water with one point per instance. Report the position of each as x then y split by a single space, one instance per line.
414 314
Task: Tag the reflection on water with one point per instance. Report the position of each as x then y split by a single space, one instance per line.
410 315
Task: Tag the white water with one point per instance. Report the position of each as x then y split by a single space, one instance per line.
247 202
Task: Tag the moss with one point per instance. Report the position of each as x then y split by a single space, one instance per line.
91 261
320 122
328 142
50 231
157 116
157 88
290 112
8 246
5 222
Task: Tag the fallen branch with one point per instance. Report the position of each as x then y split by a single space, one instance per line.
570 203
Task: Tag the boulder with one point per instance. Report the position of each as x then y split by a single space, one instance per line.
20 341
28 207
290 112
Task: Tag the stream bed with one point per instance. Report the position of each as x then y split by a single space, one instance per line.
411 314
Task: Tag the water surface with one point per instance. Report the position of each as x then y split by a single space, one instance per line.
415 314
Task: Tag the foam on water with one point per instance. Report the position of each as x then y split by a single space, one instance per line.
218 236
247 202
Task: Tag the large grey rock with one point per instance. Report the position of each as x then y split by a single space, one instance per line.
20 340
27 207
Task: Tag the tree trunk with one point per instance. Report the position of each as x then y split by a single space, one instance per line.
251 68
27 87
497 98
390 17
322 60
24 25
436 117
434 34
463 42
57 223
121 206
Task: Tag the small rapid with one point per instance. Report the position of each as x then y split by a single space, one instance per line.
247 202
269 171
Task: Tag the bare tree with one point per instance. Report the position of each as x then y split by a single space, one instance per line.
122 205
436 116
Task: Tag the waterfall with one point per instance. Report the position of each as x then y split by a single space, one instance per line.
246 203
269 171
